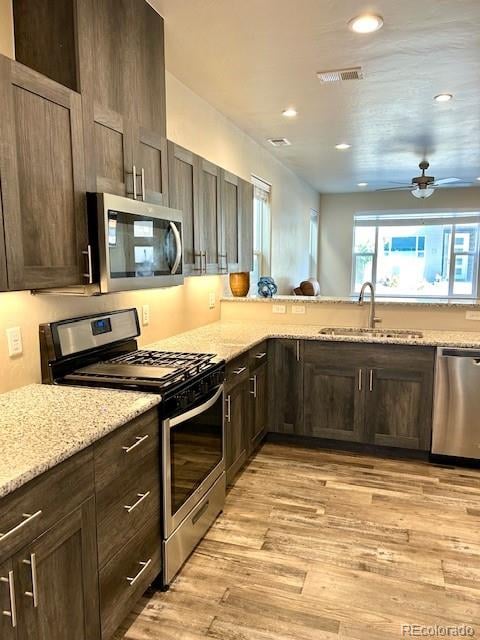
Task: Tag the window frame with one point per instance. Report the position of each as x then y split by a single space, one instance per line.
418 218
263 250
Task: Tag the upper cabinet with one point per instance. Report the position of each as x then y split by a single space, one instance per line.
118 50
42 167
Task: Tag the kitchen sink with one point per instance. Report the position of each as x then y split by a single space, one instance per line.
371 333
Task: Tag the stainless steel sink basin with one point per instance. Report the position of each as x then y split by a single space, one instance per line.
371 333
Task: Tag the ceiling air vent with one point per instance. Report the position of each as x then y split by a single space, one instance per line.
279 142
341 75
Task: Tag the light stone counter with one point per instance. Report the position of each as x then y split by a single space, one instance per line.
228 340
428 303
43 425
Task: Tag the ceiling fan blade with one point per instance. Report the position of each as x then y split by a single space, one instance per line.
405 188
437 183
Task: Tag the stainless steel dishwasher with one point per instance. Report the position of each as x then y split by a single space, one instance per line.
456 415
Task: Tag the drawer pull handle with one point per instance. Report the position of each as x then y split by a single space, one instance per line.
228 413
259 356
144 566
254 390
200 512
139 440
240 370
28 517
33 568
12 614
141 497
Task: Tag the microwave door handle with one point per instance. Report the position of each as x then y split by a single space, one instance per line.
178 244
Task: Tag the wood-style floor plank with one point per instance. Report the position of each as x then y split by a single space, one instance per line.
325 545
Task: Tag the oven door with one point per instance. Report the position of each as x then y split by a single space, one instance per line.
193 457
140 245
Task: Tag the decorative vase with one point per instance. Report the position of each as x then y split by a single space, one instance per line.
267 287
240 284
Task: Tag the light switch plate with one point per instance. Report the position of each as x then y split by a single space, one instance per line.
279 308
472 315
298 309
14 338
212 300
145 315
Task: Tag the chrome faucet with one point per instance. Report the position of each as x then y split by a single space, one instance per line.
372 319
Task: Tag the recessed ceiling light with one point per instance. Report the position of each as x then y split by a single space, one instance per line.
443 97
367 23
478 178
343 146
362 184
289 113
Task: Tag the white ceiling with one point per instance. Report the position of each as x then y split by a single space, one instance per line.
252 58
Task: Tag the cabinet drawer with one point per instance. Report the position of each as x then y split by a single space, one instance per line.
124 451
258 355
237 371
124 579
46 500
128 511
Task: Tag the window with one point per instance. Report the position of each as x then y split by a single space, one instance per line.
417 255
261 230
313 245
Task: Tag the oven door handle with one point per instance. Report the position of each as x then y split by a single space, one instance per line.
196 411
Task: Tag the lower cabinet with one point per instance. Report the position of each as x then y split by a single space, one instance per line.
236 428
381 395
285 392
258 405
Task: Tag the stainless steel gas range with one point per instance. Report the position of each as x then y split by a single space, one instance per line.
101 350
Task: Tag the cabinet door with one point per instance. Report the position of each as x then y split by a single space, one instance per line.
259 404
246 228
106 50
58 583
151 166
334 388
8 602
286 386
3 261
43 179
210 214
399 397
231 202
183 179
237 428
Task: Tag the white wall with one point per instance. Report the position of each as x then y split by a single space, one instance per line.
336 226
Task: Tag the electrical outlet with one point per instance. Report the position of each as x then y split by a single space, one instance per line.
298 309
212 300
145 315
14 338
472 315
279 308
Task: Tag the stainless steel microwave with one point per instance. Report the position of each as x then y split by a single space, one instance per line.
134 244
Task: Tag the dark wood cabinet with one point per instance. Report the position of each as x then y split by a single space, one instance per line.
381 395
333 392
246 228
8 603
57 577
237 418
285 389
184 177
399 396
43 179
231 198
258 404
211 216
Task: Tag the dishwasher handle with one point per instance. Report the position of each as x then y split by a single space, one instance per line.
460 353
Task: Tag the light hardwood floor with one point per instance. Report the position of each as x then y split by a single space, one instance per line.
317 545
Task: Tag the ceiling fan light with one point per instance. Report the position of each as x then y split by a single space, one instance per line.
422 193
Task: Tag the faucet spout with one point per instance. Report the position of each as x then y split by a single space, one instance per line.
372 319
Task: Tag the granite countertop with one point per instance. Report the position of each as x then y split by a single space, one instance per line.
228 339
434 303
43 425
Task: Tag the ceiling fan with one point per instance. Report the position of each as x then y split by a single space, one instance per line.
424 186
